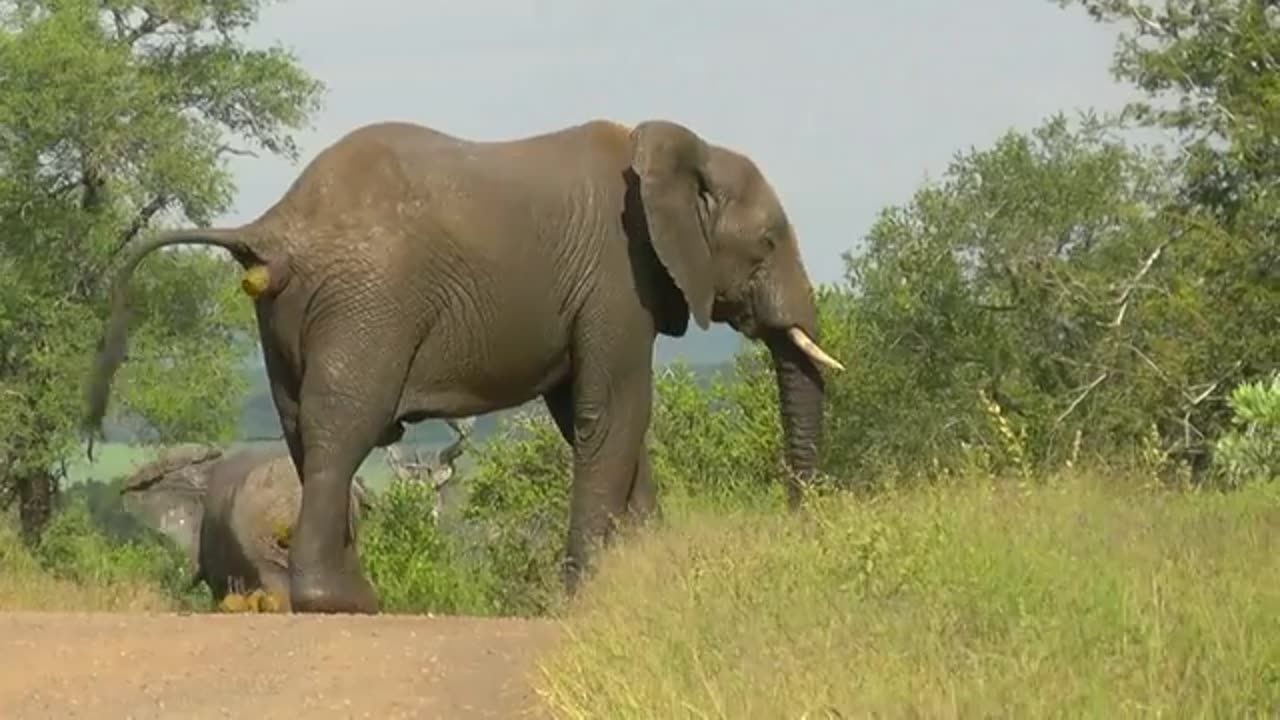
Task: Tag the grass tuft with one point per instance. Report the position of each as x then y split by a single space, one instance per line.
25 585
1077 596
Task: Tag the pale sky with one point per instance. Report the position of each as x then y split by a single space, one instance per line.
846 105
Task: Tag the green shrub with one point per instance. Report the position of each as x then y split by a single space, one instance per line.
516 512
75 547
1250 452
415 567
718 440
26 584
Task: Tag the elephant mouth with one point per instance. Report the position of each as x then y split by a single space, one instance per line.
737 315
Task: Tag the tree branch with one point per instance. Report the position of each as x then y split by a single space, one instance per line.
140 221
1127 293
88 282
1080 398
233 150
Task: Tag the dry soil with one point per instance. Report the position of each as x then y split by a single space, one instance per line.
294 667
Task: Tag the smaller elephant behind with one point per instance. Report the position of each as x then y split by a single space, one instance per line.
167 495
248 502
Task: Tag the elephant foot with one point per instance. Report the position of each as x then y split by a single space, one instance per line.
332 592
572 576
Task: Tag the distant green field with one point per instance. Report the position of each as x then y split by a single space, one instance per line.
115 459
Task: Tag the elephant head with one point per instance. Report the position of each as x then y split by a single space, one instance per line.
168 494
720 231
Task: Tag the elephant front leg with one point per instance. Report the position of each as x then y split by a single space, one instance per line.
642 497
610 417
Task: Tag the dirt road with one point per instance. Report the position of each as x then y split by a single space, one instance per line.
117 666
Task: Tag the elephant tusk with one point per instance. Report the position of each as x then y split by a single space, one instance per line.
810 348
256 280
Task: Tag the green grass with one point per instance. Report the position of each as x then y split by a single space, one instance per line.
1079 597
90 578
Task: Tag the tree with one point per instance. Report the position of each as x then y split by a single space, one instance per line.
114 114
1211 71
1009 287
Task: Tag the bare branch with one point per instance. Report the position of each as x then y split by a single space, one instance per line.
1150 24
397 464
149 25
144 216
437 471
1127 293
233 150
1202 396
1080 398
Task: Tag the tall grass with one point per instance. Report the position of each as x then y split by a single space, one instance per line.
27 584
1081 596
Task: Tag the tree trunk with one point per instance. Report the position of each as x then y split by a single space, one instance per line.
35 503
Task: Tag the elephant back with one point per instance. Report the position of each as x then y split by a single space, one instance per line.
177 458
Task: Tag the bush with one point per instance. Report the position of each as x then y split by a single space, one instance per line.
1251 451
91 557
414 566
516 513
1080 595
76 548
26 585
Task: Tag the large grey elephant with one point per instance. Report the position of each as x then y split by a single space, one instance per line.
232 513
411 274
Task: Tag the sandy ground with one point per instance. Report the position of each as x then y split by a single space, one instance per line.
118 666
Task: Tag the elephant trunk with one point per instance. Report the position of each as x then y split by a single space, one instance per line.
786 307
801 396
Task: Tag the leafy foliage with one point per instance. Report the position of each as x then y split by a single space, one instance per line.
112 114
1250 452
416 566
1011 282
516 512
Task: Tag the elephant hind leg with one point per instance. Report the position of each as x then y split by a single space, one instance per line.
349 397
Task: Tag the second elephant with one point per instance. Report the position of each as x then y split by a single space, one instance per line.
232 513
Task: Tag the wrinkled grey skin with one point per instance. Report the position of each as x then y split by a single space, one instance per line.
224 511
414 275
168 495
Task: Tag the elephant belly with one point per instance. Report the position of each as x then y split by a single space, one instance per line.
460 378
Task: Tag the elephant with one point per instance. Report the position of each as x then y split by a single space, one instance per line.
488 274
167 494
233 514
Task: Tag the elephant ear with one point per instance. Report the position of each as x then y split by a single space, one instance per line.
670 161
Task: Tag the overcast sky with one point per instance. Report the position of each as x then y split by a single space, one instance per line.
847 106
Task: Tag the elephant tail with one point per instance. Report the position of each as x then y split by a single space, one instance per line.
111 348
